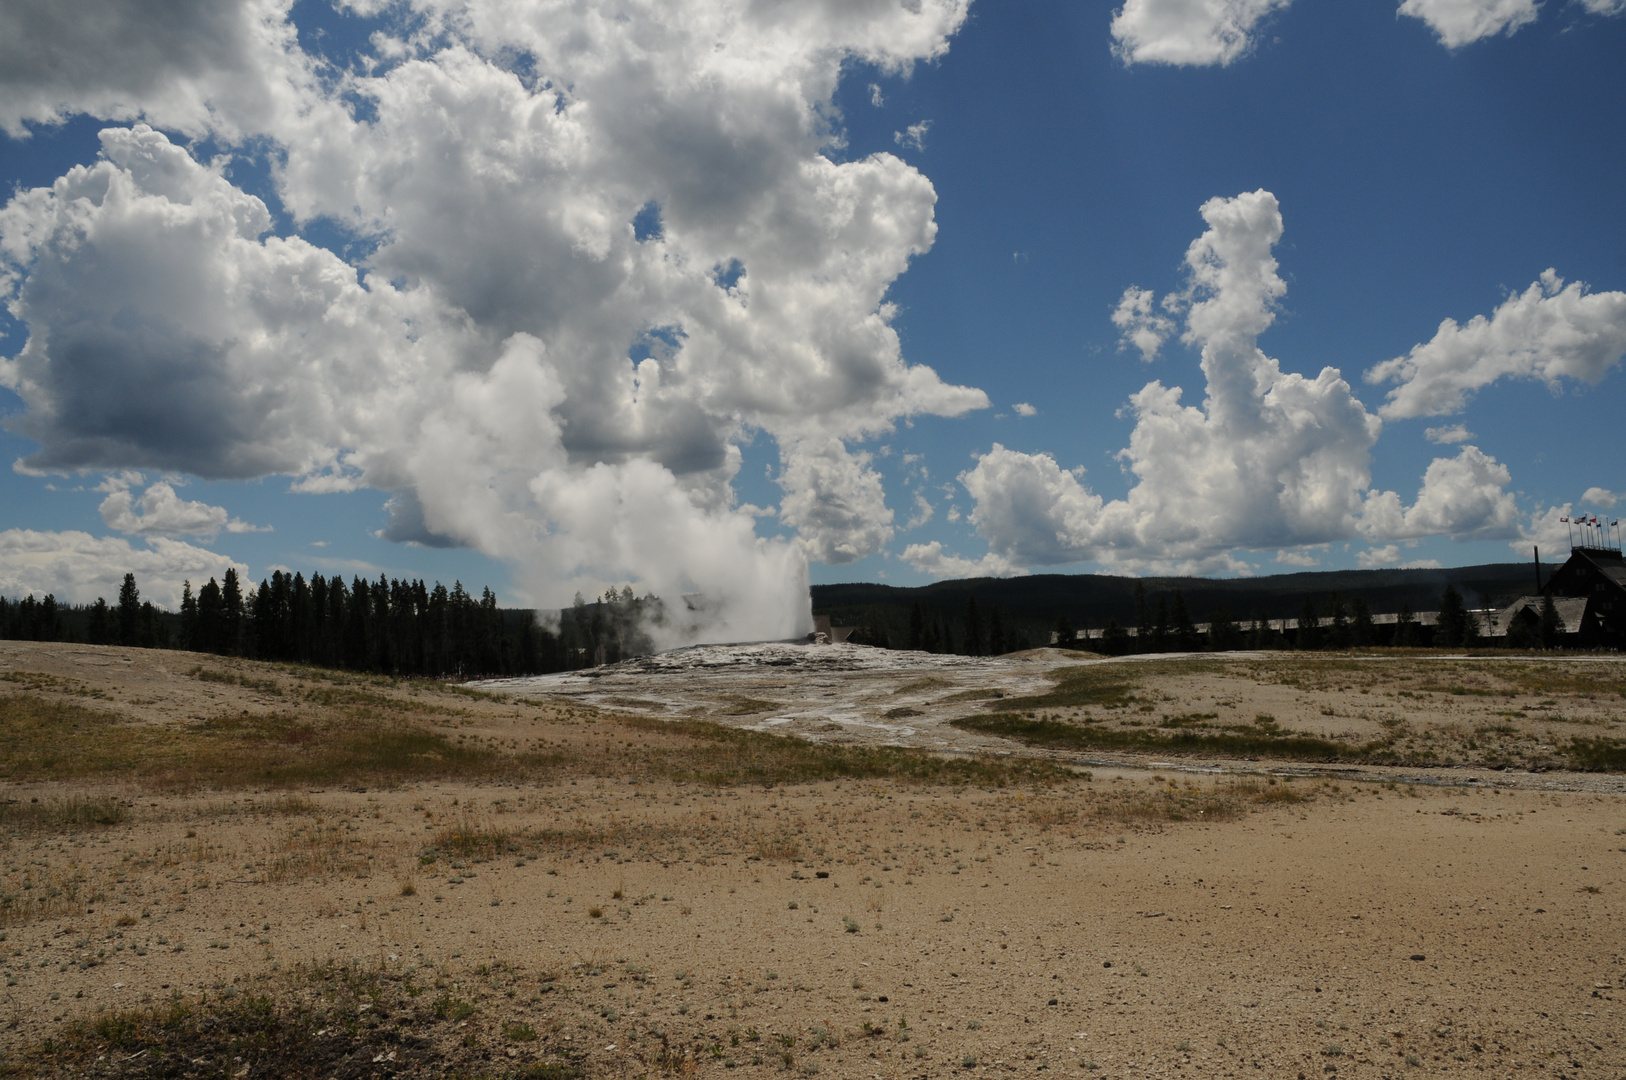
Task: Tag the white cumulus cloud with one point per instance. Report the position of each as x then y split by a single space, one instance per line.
78 567
1551 331
835 501
1270 459
1461 22
1140 323
606 250
1603 497
190 65
161 512
1465 497
1389 556
913 136
1447 435
932 560
1187 32
1022 408
1546 528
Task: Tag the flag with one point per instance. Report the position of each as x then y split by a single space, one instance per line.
1564 521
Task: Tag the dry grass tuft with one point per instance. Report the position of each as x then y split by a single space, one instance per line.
1140 806
777 847
318 850
308 1021
471 838
72 814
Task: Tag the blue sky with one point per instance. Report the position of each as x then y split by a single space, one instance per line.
938 213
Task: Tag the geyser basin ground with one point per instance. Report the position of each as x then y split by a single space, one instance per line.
243 869
1438 718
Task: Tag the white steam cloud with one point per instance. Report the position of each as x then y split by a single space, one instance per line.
606 249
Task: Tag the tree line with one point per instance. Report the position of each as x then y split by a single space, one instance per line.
387 626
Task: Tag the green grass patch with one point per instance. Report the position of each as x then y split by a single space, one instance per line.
1063 736
1598 755
1104 686
747 706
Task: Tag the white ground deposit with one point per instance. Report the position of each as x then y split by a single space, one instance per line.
825 693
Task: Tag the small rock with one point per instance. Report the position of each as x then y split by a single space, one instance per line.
1418 956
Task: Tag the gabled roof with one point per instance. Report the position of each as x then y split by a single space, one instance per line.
1608 564
1571 612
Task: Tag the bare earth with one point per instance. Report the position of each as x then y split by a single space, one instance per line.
592 912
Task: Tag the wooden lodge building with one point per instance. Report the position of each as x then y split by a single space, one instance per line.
1590 591
1588 594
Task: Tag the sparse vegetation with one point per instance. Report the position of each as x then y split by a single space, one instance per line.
43 739
71 814
1235 743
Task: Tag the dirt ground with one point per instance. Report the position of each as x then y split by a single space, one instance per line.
581 898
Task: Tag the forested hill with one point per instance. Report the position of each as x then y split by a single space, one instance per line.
1031 606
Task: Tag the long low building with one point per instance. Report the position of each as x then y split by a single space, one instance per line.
1588 594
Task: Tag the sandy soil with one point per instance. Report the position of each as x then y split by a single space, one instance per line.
1141 923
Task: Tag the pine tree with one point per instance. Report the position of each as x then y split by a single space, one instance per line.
129 610
1066 636
357 650
299 620
1185 634
1451 628
1361 630
210 635
1405 628
1160 625
1309 626
996 633
973 628
1552 630
917 628
1338 634
49 626
1143 619
189 617
152 633
99 626
232 613
260 629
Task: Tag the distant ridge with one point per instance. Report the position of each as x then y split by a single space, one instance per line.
1033 604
